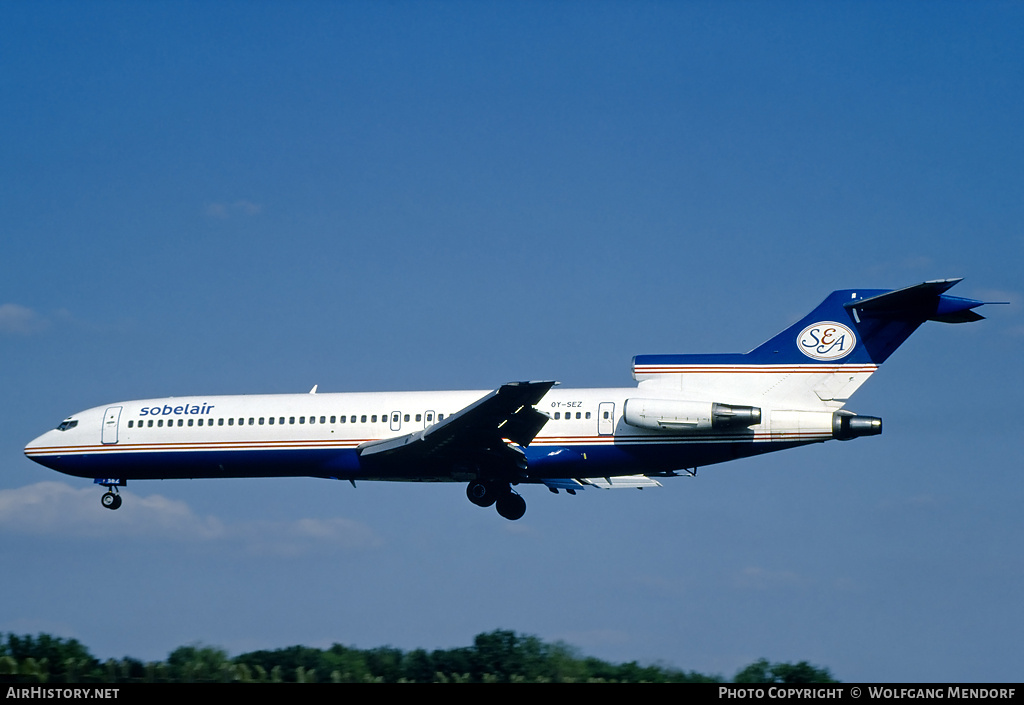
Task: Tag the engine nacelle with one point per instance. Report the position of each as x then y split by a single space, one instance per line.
678 415
846 426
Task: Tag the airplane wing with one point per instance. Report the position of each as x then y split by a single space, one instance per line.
476 432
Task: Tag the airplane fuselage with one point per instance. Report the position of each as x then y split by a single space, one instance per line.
288 435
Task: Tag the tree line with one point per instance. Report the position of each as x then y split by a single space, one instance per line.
500 656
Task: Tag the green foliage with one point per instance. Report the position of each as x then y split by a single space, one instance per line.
500 656
45 658
199 664
763 672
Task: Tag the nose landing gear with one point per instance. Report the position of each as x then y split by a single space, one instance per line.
110 499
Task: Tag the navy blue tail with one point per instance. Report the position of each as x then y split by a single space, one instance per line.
857 327
864 326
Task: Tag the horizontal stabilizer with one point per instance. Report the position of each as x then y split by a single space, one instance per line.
959 316
884 319
923 301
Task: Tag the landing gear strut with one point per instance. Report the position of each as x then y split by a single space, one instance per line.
509 503
110 499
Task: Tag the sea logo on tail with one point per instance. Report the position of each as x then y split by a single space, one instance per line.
826 340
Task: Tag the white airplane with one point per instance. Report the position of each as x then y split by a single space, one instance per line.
686 411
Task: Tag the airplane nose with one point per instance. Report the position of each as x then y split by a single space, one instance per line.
33 444
32 450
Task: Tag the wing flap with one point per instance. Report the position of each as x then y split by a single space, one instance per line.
637 482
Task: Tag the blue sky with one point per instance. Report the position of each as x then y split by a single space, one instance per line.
256 197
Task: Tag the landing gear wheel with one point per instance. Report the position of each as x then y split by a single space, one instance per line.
110 500
482 494
511 506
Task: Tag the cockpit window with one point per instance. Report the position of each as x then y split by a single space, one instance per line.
65 425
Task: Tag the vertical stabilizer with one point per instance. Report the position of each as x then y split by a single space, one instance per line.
819 361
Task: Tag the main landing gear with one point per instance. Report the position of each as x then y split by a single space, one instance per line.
508 502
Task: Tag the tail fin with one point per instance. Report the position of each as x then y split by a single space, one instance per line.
869 324
821 359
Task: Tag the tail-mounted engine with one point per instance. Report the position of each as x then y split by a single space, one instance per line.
846 425
677 415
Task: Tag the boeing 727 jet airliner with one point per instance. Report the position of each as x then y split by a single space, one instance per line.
686 411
